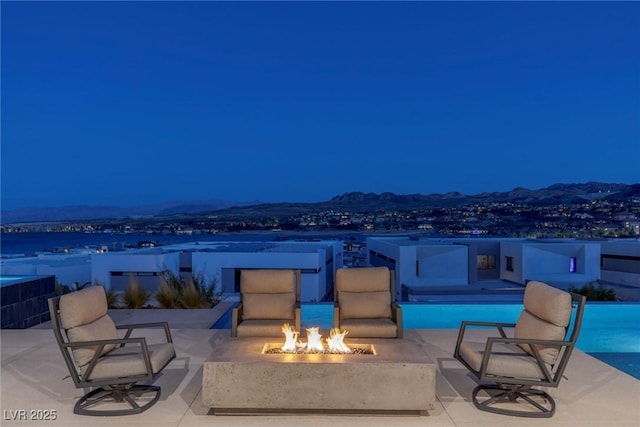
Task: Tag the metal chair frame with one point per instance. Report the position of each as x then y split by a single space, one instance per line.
501 388
118 389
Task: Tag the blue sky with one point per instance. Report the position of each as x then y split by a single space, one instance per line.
127 103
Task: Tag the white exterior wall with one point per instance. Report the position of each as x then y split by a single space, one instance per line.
626 248
134 261
513 250
438 265
389 248
442 265
549 262
68 269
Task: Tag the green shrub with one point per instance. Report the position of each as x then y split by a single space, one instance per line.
192 297
208 289
168 295
595 293
135 295
197 292
112 298
61 289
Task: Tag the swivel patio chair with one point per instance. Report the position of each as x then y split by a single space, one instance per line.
536 354
269 298
98 358
364 303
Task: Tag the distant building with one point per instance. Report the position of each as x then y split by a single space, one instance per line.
67 268
620 261
429 263
222 261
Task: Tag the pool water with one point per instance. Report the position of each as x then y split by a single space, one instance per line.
610 331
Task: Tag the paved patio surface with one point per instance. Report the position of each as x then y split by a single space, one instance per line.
33 378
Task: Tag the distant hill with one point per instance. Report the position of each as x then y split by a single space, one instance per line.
86 212
354 201
358 201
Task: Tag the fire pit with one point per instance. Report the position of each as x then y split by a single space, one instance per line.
249 375
334 344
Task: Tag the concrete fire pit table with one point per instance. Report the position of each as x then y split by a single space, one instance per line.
398 378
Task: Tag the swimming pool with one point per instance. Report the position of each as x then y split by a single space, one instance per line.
610 331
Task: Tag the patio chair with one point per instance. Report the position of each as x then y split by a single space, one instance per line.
364 303
98 358
269 298
535 356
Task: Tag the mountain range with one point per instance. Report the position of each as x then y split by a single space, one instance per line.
553 195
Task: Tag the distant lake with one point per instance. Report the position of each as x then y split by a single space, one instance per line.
29 243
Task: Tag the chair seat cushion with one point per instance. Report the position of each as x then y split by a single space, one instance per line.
369 328
128 361
365 305
507 360
262 328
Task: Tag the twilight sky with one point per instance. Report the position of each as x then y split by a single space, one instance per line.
127 103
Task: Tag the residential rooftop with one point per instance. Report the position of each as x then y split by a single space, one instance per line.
33 378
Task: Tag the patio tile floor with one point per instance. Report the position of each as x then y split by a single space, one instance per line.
33 377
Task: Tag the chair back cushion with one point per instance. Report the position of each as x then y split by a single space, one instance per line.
546 315
83 314
364 293
268 294
369 279
365 305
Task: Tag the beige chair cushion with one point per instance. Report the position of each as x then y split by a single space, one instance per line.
530 327
82 307
101 329
268 306
262 328
370 279
267 281
369 328
505 360
548 303
546 314
365 305
128 361
83 314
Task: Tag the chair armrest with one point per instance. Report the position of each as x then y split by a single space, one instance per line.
130 328
236 317
336 315
396 315
102 343
463 329
488 352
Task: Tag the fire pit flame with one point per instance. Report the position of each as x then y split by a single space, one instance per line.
314 339
291 338
336 341
334 344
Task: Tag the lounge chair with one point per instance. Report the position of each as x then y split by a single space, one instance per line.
535 355
364 303
269 298
98 358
